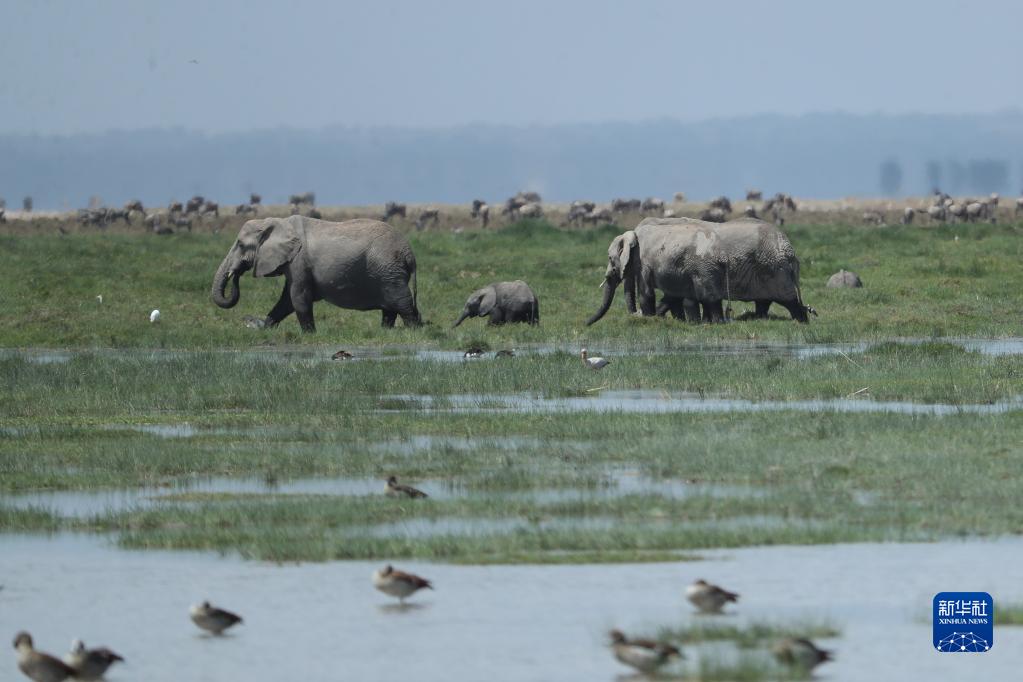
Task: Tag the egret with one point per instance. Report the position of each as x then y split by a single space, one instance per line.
154 316
593 363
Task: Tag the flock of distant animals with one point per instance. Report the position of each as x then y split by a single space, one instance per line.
527 204
645 655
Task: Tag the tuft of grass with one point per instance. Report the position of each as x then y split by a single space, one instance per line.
758 633
1009 614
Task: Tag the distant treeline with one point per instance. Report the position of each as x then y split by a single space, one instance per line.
815 156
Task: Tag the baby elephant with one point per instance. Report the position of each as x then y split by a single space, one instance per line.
503 302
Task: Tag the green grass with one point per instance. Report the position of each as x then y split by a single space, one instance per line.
919 282
749 635
1009 614
270 405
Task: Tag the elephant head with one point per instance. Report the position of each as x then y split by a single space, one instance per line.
264 246
481 302
622 264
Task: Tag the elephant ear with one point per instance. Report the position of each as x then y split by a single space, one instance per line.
278 244
488 301
627 244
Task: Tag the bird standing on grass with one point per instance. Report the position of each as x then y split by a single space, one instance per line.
212 619
645 655
342 355
395 489
593 363
398 583
90 664
154 316
709 598
38 666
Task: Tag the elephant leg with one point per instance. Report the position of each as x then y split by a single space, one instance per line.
497 317
676 307
388 318
662 308
281 309
797 310
762 308
692 310
712 312
630 293
401 302
302 298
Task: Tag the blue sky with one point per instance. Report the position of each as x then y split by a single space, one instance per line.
70 67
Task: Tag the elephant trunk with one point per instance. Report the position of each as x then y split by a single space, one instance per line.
461 318
610 284
220 284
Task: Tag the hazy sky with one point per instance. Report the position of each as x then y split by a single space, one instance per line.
93 66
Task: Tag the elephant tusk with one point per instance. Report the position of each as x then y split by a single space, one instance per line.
602 283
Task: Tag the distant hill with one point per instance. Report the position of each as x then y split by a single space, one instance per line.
814 156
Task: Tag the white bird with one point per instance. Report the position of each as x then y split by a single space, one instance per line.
593 363
99 298
154 316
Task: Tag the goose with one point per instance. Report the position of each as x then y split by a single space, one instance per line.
212 619
154 316
645 655
398 583
395 489
474 353
342 355
90 664
38 666
800 653
709 598
593 363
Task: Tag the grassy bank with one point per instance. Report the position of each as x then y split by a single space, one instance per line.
934 281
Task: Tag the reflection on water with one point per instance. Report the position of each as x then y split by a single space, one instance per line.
663 402
489 622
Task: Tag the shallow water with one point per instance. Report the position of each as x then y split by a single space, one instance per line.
663 402
802 351
325 622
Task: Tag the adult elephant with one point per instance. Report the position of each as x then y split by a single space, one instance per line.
685 261
503 302
762 267
356 264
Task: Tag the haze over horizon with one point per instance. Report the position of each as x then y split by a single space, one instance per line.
313 64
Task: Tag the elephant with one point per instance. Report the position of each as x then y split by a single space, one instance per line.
503 302
757 263
357 264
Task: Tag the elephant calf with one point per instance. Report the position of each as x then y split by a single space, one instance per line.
503 302
357 264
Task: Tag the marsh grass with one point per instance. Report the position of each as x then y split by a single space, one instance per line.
919 282
1009 614
757 633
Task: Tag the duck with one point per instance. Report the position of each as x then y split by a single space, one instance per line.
38 666
90 664
397 583
800 653
645 655
212 619
342 355
709 598
593 363
505 353
395 489
473 353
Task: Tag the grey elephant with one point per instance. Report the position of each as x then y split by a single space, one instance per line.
503 302
356 264
685 261
757 263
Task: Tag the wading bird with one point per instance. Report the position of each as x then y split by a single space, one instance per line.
395 489
645 655
212 619
709 598
38 666
90 664
593 363
398 583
